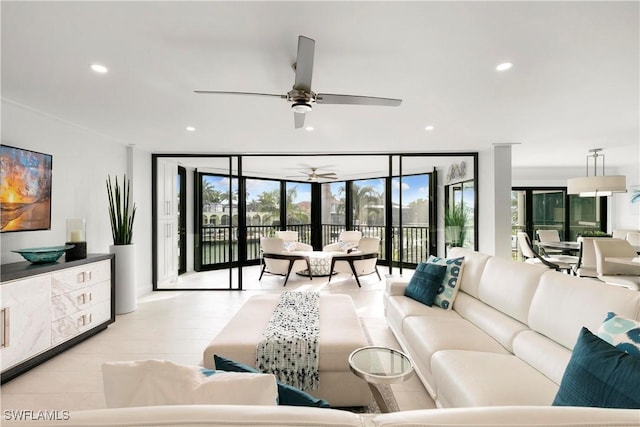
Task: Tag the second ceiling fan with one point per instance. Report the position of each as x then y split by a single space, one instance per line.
302 97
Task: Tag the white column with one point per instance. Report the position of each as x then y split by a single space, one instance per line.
494 192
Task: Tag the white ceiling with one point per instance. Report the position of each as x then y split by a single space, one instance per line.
574 85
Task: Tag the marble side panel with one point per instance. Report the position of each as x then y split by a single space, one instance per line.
26 308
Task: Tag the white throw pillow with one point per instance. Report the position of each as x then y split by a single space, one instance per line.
162 382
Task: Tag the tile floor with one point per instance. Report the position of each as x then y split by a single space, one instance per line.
177 325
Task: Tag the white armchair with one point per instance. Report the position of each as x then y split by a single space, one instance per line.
276 260
359 263
291 241
347 240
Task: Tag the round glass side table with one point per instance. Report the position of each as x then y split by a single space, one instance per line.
380 365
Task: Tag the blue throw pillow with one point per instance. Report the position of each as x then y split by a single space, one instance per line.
425 283
287 395
599 375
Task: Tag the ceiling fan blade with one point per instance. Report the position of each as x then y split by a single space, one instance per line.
327 98
222 92
304 63
326 175
298 119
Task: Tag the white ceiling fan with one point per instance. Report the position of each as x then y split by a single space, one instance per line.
314 176
302 97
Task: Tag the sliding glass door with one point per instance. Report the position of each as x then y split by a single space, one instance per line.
534 209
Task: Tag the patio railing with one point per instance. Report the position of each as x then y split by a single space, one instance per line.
216 250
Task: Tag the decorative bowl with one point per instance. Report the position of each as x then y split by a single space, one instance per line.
44 254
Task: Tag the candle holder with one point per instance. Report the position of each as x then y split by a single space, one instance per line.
76 236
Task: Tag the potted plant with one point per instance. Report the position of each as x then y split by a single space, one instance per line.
122 212
455 221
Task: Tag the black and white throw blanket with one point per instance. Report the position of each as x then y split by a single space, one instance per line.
289 347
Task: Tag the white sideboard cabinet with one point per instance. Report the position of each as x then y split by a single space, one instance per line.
48 308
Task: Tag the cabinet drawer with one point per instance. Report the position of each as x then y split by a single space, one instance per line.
80 299
71 279
83 320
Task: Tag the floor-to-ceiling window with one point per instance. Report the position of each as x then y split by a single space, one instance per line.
219 209
394 199
298 209
263 212
460 200
534 209
411 202
333 195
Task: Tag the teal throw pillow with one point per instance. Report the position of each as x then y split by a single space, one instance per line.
599 375
451 281
425 283
287 395
621 332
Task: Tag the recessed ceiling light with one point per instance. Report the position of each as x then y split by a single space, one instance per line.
504 66
99 68
429 127
191 128
309 128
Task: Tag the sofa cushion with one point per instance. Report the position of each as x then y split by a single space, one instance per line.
472 378
622 332
599 375
544 354
162 382
474 263
450 282
425 282
498 325
509 286
397 308
510 416
444 333
563 304
287 394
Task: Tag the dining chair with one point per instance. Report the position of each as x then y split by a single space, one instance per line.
614 273
548 236
633 237
532 257
586 265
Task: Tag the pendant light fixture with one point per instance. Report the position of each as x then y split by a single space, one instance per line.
597 185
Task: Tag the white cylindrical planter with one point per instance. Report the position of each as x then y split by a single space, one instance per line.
126 284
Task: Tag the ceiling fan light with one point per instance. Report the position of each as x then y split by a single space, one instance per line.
301 107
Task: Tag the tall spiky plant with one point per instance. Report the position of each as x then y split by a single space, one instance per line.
455 218
121 212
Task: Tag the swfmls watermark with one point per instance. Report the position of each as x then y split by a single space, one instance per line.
36 415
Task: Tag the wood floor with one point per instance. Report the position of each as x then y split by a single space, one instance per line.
177 325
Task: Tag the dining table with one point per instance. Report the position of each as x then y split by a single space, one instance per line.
632 261
572 246
567 247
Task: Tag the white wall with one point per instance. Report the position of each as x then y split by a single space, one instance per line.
82 159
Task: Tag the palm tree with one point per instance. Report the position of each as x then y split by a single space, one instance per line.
363 197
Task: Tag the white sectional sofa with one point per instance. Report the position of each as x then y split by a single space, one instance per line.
508 338
290 416
495 359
